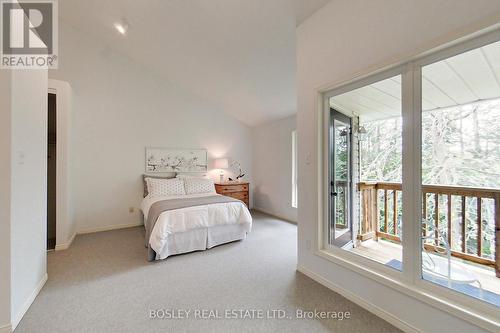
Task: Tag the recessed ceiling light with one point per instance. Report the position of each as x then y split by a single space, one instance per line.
122 27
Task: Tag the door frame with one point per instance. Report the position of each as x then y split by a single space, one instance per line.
65 231
335 114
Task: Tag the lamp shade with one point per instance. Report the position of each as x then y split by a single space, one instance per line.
221 163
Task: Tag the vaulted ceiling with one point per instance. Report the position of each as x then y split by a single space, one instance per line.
239 54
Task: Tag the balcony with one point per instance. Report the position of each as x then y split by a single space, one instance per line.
462 222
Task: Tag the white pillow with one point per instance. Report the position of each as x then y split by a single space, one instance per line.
199 185
158 187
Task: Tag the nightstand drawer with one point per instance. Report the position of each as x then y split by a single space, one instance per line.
232 188
235 190
243 196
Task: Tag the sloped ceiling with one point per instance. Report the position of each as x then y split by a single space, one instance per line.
239 54
305 8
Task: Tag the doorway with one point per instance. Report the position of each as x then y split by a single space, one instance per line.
340 179
51 171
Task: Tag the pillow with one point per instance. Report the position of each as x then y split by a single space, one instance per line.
158 187
199 185
145 184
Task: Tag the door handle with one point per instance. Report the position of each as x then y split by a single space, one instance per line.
334 194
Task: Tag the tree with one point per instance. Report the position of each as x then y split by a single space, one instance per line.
460 146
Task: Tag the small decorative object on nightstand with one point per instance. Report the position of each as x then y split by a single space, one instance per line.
221 164
235 190
237 166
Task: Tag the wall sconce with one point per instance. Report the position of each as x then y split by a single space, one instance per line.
361 131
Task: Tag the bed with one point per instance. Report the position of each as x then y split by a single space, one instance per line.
178 220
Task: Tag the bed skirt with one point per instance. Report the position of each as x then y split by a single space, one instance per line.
202 239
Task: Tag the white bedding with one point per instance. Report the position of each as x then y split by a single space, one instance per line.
192 218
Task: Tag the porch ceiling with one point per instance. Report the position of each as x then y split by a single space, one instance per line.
466 78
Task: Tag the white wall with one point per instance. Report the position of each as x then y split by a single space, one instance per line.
338 42
272 168
118 109
4 200
28 188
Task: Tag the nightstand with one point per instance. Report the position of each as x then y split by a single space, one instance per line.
237 190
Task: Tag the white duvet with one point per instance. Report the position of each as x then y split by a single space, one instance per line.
190 218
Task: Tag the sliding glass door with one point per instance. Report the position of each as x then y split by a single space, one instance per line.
340 231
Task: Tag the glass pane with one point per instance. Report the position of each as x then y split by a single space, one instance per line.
460 172
365 176
341 176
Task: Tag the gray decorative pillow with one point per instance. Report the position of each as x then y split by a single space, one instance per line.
164 176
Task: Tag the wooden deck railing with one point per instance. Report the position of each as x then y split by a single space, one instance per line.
381 217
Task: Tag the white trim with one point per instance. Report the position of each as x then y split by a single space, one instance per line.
65 246
295 180
265 211
17 318
362 81
379 312
411 125
6 329
414 177
424 291
323 167
108 228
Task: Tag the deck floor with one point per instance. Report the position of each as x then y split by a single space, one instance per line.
383 251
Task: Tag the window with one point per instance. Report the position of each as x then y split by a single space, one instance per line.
294 169
460 169
365 168
428 218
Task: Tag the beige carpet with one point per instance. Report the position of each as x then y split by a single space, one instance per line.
103 283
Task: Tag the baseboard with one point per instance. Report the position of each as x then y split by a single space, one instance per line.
6 329
379 312
261 210
17 318
108 228
65 246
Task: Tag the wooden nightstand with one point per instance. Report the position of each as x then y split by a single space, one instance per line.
237 190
